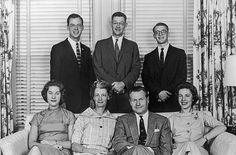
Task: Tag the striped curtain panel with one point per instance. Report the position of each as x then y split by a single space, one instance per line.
6 25
214 40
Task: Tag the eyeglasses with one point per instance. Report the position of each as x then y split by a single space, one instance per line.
160 32
76 26
116 23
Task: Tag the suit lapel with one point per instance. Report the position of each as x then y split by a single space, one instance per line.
70 50
124 45
151 128
133 127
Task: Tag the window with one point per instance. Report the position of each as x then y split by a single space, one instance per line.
39 25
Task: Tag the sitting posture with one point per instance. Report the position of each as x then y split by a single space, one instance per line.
51 129
142 132
94 128
188 126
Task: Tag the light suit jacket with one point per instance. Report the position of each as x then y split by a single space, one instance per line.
158 134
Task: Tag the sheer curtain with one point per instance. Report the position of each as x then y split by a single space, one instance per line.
214 39
6 25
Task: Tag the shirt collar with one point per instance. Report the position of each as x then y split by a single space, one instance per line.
91 113
145 115
72 42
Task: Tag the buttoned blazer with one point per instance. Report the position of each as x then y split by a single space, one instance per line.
77 80
155 78
106 66
158 133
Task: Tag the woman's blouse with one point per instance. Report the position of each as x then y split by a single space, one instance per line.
53 124
93 130
191 126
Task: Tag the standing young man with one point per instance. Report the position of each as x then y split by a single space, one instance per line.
163 69
71 63
116 60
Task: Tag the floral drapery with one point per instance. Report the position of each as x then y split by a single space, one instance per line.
214 39
6 113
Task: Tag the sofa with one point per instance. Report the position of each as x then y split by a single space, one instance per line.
16 144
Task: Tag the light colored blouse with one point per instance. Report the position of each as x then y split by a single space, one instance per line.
53 124
190 126
92 130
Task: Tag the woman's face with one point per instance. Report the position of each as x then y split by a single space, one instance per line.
185 98
53 96
100 97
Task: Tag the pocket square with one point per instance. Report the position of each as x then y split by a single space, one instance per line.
156 130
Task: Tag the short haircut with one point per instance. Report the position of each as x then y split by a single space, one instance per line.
74 15
53 83
102 85
138 89
160 24
191 87
118 14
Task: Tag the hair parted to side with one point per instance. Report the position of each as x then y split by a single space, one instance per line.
53 83
191 87
74 15
160 24
118 14
138 89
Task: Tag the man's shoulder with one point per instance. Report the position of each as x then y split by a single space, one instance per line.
158 117
179 50
61 43
125 116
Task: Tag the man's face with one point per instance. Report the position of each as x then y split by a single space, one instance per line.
139 102
161 34
75 28
118 26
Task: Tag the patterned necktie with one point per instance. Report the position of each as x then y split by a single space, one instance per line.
162 56
143 135
78 54
117 50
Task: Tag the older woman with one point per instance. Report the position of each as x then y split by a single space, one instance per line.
188 126
51 129
94 128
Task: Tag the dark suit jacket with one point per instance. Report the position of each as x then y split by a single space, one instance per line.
158 134
64 67
126 69
155 78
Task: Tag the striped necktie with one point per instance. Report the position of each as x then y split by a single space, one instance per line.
78 54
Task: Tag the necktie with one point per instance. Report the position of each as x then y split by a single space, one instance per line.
143 135
162 56
117 50
78 54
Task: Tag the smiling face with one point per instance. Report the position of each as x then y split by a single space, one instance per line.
100 97
118 26
161 34
75 28
53 97
185 99
139 102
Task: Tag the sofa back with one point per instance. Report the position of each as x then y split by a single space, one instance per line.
30 116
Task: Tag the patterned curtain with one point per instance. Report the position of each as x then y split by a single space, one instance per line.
6 112
214 39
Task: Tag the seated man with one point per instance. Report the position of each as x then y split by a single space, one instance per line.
142 132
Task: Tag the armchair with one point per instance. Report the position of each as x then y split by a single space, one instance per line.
17 143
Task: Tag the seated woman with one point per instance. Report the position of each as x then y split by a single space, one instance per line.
188 126
51 129
94 128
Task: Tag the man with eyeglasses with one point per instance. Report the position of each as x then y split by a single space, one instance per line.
163 69
116 60
71 63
